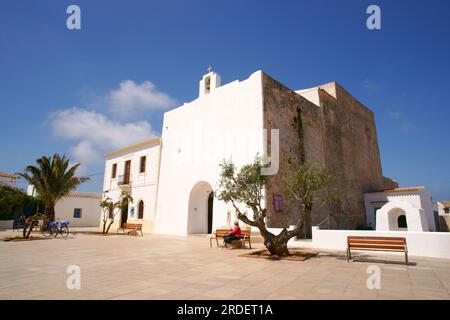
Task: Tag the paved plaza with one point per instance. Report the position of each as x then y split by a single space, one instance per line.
169 267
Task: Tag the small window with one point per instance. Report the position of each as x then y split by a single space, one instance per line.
142 165
207 84
114 170
77 213
447 210
141 210
401 222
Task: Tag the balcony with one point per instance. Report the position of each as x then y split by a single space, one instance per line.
124 182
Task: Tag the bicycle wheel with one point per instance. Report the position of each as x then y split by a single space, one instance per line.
46 231
54 231
64 232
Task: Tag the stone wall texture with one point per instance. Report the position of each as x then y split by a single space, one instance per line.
341 134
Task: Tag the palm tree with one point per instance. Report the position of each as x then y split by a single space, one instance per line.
53 179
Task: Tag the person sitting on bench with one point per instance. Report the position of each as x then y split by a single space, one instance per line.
233 235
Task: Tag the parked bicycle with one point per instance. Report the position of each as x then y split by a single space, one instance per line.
56 227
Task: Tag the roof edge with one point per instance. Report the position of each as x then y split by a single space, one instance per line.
133 147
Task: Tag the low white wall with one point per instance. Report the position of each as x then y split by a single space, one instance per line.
6 224
427 244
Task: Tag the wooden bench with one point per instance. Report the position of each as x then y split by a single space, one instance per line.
221 233
131 227
218 234
394 244
245 237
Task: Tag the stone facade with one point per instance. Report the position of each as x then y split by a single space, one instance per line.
338 132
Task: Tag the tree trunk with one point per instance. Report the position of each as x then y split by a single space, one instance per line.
24 231
277 245
31 226
49 211
104 226
109 226
27 228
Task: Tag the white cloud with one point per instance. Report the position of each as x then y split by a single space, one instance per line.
85 152
96 133
131 99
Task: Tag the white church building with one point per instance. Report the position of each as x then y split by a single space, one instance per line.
172 179
182 168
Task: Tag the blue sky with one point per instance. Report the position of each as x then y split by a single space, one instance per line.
61 89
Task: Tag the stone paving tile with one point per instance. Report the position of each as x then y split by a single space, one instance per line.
169 267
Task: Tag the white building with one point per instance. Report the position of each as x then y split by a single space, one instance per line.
81 209
401 209
134 169
174 193
443 207
224 122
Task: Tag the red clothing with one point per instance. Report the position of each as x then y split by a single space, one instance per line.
236 231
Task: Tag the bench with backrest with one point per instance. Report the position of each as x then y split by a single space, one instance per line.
245 237
394 244
220 233
127 227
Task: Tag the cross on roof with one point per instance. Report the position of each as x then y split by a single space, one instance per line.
209 69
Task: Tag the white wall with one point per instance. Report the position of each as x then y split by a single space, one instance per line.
6 224
427 244
196 137
388 215
420 199
90 211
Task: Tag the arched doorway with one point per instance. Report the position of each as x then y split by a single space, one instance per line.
401 216
401 222
397 219
200 214
124 213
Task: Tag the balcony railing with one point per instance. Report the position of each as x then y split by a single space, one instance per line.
124 180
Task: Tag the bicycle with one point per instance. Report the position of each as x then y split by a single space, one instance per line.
56 227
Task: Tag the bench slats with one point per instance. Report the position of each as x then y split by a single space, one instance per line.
131 226
378 247
353 242
375 238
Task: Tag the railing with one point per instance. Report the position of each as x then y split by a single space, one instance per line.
124 180
327 218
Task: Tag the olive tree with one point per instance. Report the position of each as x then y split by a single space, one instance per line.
245 187
111 209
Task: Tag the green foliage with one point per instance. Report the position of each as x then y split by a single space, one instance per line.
11 202
305 180
14 203
121 204
53 178
115 207
300 132
243 186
